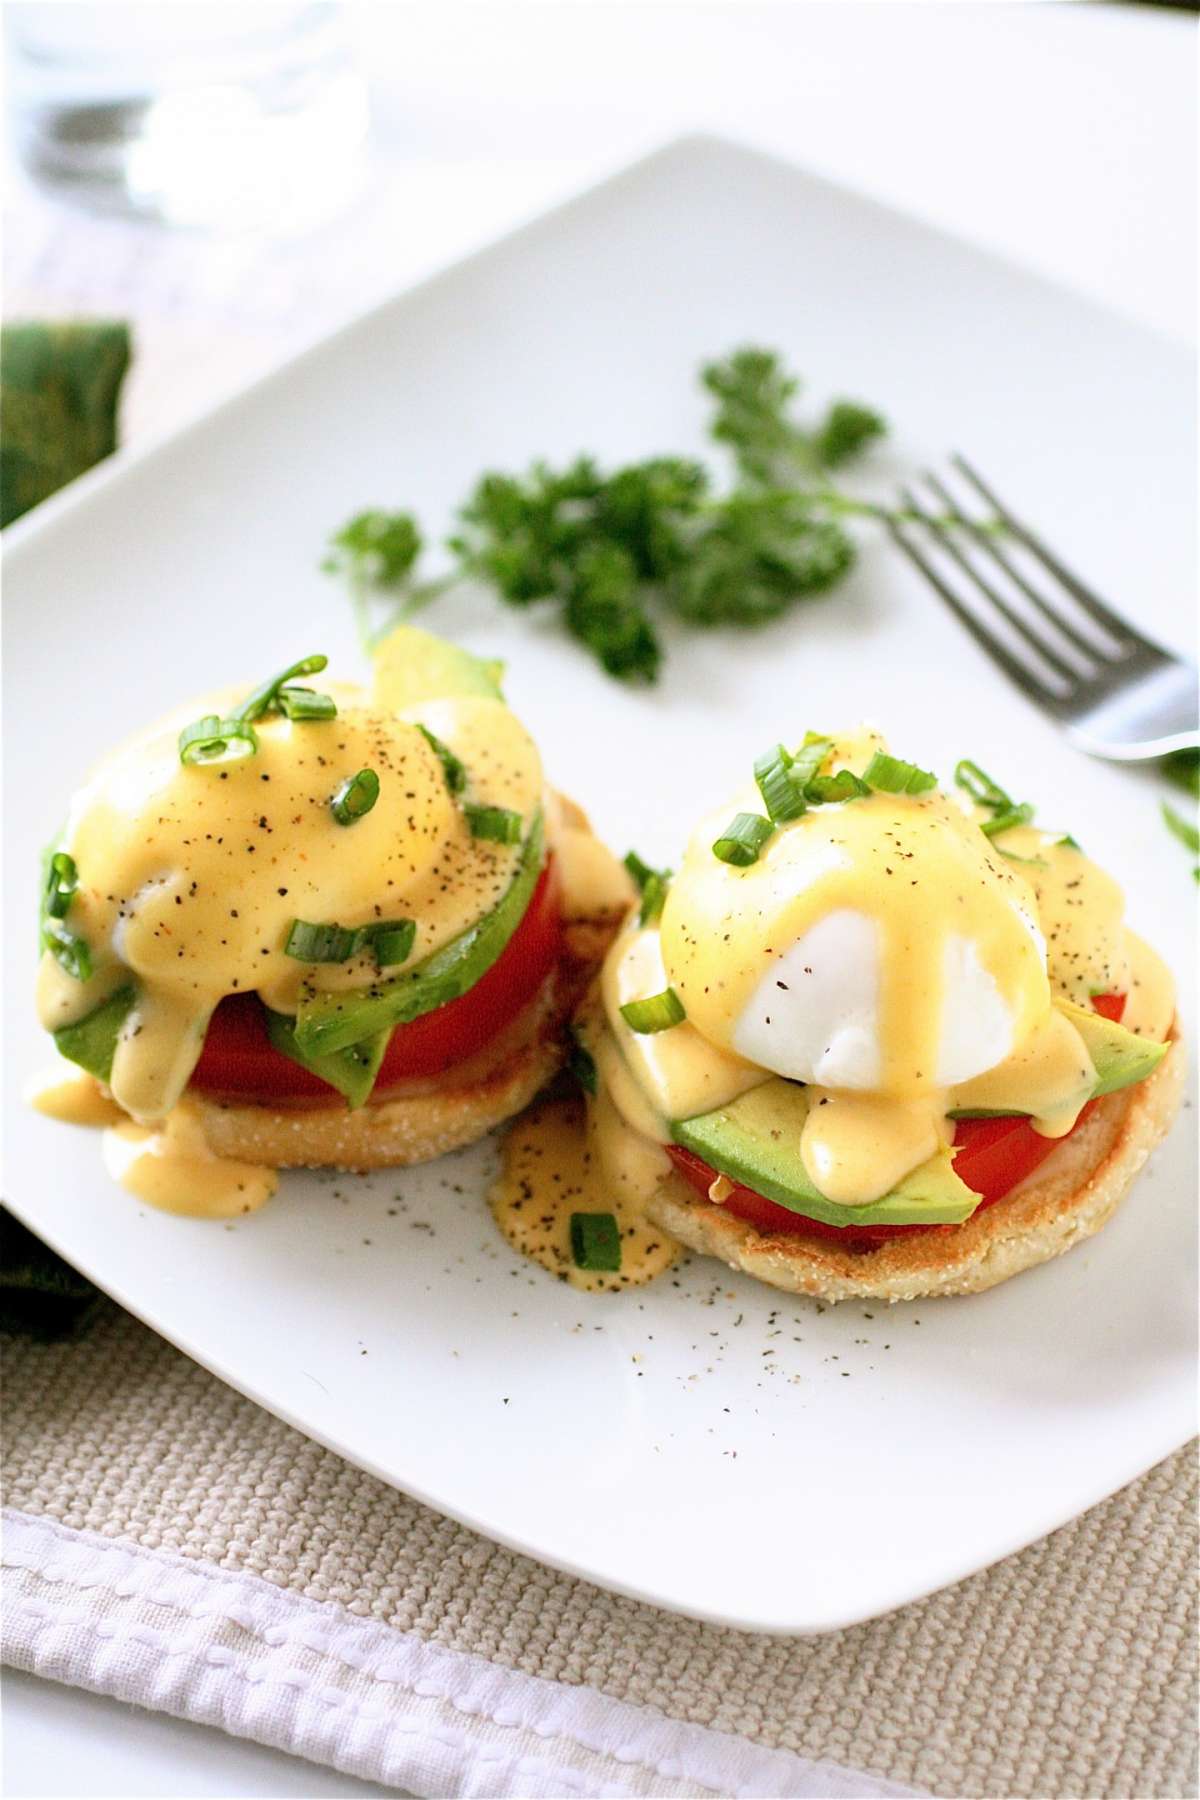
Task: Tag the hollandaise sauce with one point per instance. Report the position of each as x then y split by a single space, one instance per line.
555 1170
172 1167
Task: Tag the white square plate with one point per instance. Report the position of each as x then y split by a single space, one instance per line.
707 1443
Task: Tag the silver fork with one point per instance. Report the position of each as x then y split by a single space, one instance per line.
1117 694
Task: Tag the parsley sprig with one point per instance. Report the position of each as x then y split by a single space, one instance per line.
619 551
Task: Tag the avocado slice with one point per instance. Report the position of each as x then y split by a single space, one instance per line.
1119 1057
351 1071
92 1042
756 1140
412 665
330 1022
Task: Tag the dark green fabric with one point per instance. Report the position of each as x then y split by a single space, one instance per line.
59 387
41 1296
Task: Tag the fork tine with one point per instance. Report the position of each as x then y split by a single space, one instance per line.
1089 601
986 542
1064 670
1026 679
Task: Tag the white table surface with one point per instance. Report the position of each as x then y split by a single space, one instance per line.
1063 136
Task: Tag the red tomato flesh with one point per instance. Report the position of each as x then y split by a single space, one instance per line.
239 1059
991 1157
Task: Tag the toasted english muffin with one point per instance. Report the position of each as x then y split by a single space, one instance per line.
1074 1192
419 1120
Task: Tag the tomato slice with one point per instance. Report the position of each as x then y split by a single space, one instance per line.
239 1059
991 1157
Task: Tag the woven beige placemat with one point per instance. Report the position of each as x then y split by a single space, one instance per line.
1067 1670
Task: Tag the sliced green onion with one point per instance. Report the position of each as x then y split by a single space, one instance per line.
495 823
1067 842
304 703
889 775
582 1065
67 948
1004 821
826 790
1033 862
742 839
214 740
266 697
355 797
1180 827
321 943
595 1241
812 753
982 789
654 898
62 881
452 768
652 884
656 1013
390 943
782 794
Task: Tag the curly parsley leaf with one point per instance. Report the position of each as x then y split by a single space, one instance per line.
617 549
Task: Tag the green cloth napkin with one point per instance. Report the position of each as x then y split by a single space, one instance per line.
59 387
41 1296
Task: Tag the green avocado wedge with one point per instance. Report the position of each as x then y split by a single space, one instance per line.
756 1140
412 666
351 1071
92 1042
1119 1057
330 1022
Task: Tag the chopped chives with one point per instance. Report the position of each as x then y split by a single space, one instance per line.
982 789
355 797
389 940
782 794
453 770
62 881
808 758
742 839
320 943
303 703
266 698
654 898
890 775
496 824
391 944
826 790
656 1013
595 1241
1181 828
214 740
1005 821
67 948
652 884
582 1065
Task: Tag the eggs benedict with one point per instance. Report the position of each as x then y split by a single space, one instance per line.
315 925
874 1039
